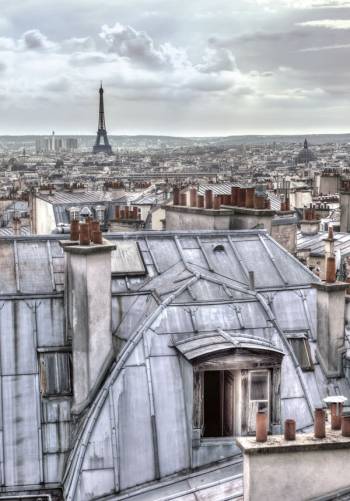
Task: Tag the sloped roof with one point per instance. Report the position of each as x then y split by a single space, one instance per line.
187 303
196 286
316 245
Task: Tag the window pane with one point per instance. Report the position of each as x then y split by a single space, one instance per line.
300 348
259 385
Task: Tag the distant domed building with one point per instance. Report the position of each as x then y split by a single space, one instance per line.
305 155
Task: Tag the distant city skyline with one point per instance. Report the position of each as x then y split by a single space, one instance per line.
175 68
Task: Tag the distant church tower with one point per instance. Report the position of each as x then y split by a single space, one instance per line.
101 131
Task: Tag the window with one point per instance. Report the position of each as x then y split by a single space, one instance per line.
259 399
218 404
230 388
55 374
302 352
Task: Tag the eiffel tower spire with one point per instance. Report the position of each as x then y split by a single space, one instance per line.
101 130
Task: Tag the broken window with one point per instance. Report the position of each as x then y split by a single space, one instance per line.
230 389
302 352
218 404
55 374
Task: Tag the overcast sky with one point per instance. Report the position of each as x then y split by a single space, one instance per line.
180 67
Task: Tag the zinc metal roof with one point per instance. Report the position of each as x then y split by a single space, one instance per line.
76 197
315 243
196 287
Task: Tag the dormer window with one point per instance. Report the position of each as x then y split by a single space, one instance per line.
229 389
301 349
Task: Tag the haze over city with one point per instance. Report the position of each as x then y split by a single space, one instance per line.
178 68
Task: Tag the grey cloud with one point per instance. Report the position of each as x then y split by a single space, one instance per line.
134 45
35 40
60 84
216 60
78 44
87 58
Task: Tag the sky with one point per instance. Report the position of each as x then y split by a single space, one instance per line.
175 67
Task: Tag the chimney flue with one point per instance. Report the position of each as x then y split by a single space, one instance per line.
200 201
176 195
74 230
193 197
84 234
331 271
336 415
320 423
345 426
208 199
249 200
217 202
261 426
289 429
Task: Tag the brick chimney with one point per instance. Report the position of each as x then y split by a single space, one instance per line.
89 313
309 225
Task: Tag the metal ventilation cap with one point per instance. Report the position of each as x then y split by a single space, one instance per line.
85 212
335 399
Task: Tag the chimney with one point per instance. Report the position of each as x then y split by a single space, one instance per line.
330 321
309 225
249 201
183 199
16 222
217 200
259 200
74 230
200 201
193 197
234 194
329 243
176 195
241 197
208 199
89 312
117 213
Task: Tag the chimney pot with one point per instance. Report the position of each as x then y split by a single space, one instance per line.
261 426
331 271
176 195
336 415
74 230
320 423
289 429
84 234
183 199
330 233
208 199
200 201
345 426
217 202
250 197
97 237
117 213
193 197
234 193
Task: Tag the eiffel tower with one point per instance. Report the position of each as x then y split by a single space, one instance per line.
101 131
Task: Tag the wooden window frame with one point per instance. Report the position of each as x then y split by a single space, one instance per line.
244 361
